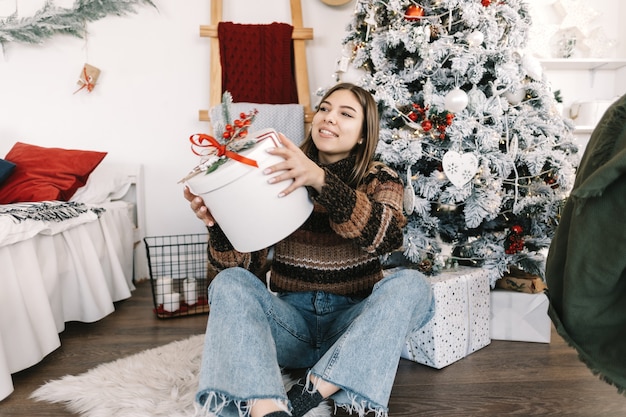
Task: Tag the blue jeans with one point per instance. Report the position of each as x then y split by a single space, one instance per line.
352 343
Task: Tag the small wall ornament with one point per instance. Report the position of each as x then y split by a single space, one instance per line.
87 78
336 2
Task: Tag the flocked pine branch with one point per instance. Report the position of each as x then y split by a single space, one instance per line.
51 20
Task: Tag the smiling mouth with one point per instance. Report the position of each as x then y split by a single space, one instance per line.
328 132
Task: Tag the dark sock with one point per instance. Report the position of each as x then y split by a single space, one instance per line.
278 414
301 400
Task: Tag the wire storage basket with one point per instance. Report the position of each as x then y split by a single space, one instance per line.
178 274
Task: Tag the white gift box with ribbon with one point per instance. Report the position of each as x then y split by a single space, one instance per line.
520 316
461 324
245 205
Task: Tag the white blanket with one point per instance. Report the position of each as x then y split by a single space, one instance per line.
22 221
65 273
287 119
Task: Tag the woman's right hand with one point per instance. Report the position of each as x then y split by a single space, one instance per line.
198 207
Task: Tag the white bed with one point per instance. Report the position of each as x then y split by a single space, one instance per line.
52 272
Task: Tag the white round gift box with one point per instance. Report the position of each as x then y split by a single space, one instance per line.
245 205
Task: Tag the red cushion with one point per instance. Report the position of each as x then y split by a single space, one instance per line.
43 174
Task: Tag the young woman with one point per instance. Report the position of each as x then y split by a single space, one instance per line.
334 312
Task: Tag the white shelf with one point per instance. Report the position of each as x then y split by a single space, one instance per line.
582 64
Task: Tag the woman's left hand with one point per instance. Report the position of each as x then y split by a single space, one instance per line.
296 166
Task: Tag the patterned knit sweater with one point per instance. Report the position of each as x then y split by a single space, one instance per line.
337 249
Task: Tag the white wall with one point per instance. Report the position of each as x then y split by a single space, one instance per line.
581 84
154 80
584 86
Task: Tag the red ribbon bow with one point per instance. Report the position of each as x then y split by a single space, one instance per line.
86 82
199 138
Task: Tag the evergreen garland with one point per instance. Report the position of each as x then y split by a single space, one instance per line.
52 20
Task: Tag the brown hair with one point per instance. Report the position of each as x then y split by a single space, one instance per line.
369 131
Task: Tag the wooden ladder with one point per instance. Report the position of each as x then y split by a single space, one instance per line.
300 35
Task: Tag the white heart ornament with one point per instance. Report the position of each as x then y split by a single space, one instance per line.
460 168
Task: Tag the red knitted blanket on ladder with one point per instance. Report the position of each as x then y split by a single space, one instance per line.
257 62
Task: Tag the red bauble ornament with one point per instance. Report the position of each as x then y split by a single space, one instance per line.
413 116
485 2
413 12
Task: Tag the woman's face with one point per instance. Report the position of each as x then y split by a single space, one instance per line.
336 126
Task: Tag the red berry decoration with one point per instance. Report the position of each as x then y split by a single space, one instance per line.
514 242
413 12
240 128
427 125
513 245
413 116
485 2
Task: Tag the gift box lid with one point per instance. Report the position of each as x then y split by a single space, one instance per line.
232 170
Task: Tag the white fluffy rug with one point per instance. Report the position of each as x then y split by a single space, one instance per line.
160 382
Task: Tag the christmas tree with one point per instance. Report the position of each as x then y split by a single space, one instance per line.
471 126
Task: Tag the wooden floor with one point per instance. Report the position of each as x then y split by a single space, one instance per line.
504 378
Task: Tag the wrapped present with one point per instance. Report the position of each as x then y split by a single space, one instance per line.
520 316
521 281
88 78
460 325
247 207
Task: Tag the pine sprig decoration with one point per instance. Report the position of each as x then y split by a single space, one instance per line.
230 139
230 129
51 20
